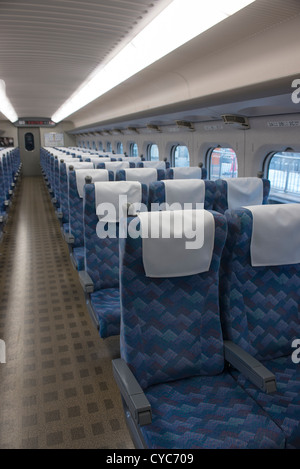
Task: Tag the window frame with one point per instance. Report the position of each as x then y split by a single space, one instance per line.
131 146
208 163
119 150
278 195
172 155
148 152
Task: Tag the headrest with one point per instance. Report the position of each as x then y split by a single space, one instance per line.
79 165
154 164
183 191
96 159
244 191
275 234
117 194
116 165
95 174
143 175
69 160
191 172
131 159
177 243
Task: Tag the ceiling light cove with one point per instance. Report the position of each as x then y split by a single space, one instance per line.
160 37
5 105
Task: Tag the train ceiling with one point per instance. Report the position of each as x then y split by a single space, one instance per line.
48 48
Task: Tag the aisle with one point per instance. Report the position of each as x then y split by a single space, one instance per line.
57 388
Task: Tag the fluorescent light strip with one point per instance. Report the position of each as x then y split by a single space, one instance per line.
178 23
5 105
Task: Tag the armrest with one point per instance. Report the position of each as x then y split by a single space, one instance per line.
132 393
69 238
251 368
85 281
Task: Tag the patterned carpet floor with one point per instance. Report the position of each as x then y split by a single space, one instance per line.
57 389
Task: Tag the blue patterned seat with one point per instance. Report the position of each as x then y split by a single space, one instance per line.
76 213
260 312
102 266
157 194
63 196
221 197
191 172
172 342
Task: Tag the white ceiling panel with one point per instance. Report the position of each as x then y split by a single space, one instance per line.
49 47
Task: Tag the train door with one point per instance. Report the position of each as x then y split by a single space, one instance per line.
30 144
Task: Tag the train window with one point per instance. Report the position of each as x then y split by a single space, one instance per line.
29 141
180 156
223 163
153 152
108 147
134 151
100 146
284 173
120 148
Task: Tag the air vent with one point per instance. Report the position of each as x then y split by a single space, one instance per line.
154 127
133 129
239 122
185 125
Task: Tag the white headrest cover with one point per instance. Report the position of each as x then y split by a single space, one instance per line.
96 159
191 172
79 165
116 165
143 175
131 159
183 191
154 164
177 243
95 174
275 234
244 191
109 193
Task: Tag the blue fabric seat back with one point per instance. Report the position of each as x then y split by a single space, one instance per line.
101 255
157 194
221 197
63 191
170 327
52 172
6 176
76 209
2 187
56 180
259 305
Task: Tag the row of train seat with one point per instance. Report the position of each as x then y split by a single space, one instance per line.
10 170
97 260
206 336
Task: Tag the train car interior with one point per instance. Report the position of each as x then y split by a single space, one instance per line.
149 224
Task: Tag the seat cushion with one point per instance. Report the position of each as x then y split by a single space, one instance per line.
78 257
208 412
106 306
283 406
